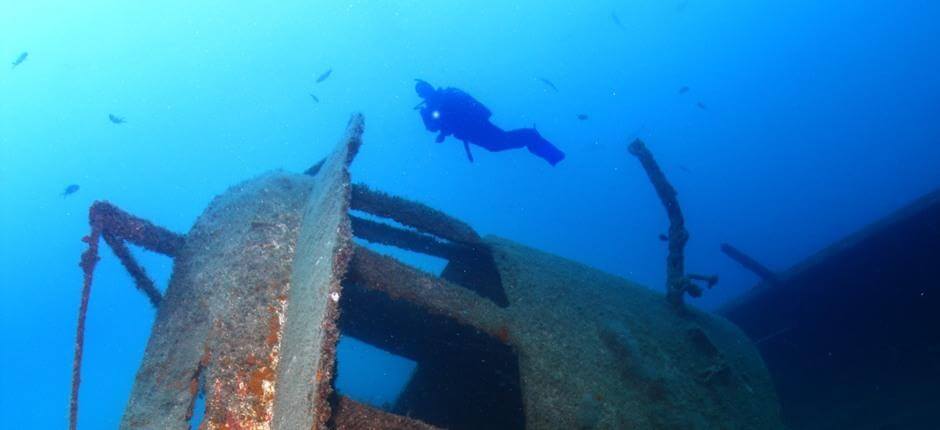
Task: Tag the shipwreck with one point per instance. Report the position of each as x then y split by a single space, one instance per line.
506 337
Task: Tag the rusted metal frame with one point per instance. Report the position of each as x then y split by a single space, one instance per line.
135 230
749 263
419 216
408 240
88 262
374 271
115 226
677 282
141 280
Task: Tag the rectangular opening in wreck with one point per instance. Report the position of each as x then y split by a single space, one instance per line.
371 375
427 262
468 265
464 379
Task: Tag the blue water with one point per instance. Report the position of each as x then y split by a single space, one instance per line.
821 118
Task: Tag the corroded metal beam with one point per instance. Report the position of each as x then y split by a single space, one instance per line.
678 283
116 226
138 231
749 263
419 216
385 234
141 280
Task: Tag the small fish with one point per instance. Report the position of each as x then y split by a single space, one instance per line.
69 190
116 119
684 169
595 146
683 89
582 117
323 76
19 59
549 84
663 237
314 98
701 106
616 20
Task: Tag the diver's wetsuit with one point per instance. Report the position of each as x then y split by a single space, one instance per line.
452 112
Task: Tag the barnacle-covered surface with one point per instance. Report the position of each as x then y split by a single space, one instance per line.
218 326
223 325
310 335
412 214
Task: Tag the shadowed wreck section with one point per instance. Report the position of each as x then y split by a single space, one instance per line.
850 334
505 337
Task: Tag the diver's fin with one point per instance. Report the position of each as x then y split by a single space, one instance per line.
466 147
531 139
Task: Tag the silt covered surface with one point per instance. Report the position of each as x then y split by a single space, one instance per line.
597 351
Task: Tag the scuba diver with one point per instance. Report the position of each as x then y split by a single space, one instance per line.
452 112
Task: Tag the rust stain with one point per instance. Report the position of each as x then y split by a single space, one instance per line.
246 401
503 334
274 328
260 389
206 356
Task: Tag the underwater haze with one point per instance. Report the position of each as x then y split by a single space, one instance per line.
784 126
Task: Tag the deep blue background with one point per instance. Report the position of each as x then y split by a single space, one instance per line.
822 117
